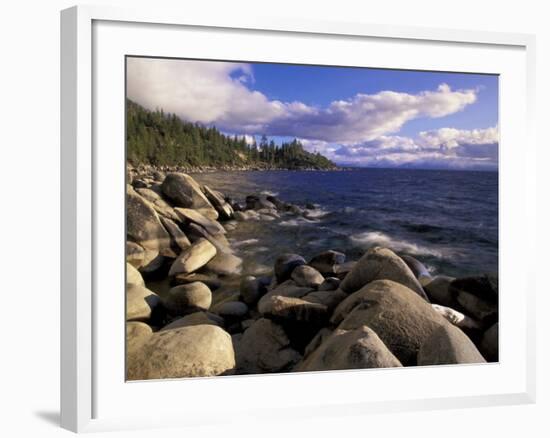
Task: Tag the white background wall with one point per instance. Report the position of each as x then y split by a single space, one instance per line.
29 218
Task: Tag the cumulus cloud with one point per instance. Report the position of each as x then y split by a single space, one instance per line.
217 93
445 147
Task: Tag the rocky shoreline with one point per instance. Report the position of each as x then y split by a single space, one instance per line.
147 169
191 312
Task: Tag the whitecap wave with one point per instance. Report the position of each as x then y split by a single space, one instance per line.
269 193
316 213
377 238
297 222
246 242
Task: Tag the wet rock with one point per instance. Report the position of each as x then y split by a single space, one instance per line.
254 202
482 310
419 270
330 283
252 289
285 264
438 290
265 348
217 200
193 258
448 344
401 318
192 351
187 298
489 344
185 192
484 287
326 262
381 264
307 276
232 309
353 349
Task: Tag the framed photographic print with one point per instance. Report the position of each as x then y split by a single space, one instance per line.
271 207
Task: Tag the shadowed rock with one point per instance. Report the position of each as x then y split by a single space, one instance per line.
285 264
189 215
178 236
265 348
307 276
326 262
217 200
419 270
143 226
140 303
489 344
438 290
185 192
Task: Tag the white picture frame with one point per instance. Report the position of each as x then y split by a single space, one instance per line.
88 395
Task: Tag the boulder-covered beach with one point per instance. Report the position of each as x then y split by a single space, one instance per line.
192 311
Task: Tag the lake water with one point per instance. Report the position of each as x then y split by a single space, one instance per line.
446 219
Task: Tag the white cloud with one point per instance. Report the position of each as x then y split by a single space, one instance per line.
445 147
448 138
216 93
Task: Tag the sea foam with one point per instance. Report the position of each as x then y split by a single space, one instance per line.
377 238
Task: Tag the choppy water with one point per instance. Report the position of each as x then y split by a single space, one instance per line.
446 219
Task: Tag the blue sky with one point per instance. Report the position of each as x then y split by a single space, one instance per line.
355 116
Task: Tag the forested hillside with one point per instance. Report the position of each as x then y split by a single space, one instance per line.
156 138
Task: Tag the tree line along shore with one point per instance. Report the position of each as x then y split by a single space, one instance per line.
162 139
327 313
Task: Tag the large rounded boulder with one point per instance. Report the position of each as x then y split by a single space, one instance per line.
187 298
143 227
381 264
192 351
185 192
193 258
401 318
447 345
353 349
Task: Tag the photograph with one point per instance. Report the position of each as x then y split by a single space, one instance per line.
289 218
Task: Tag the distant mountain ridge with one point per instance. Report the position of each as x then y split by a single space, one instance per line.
161 139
